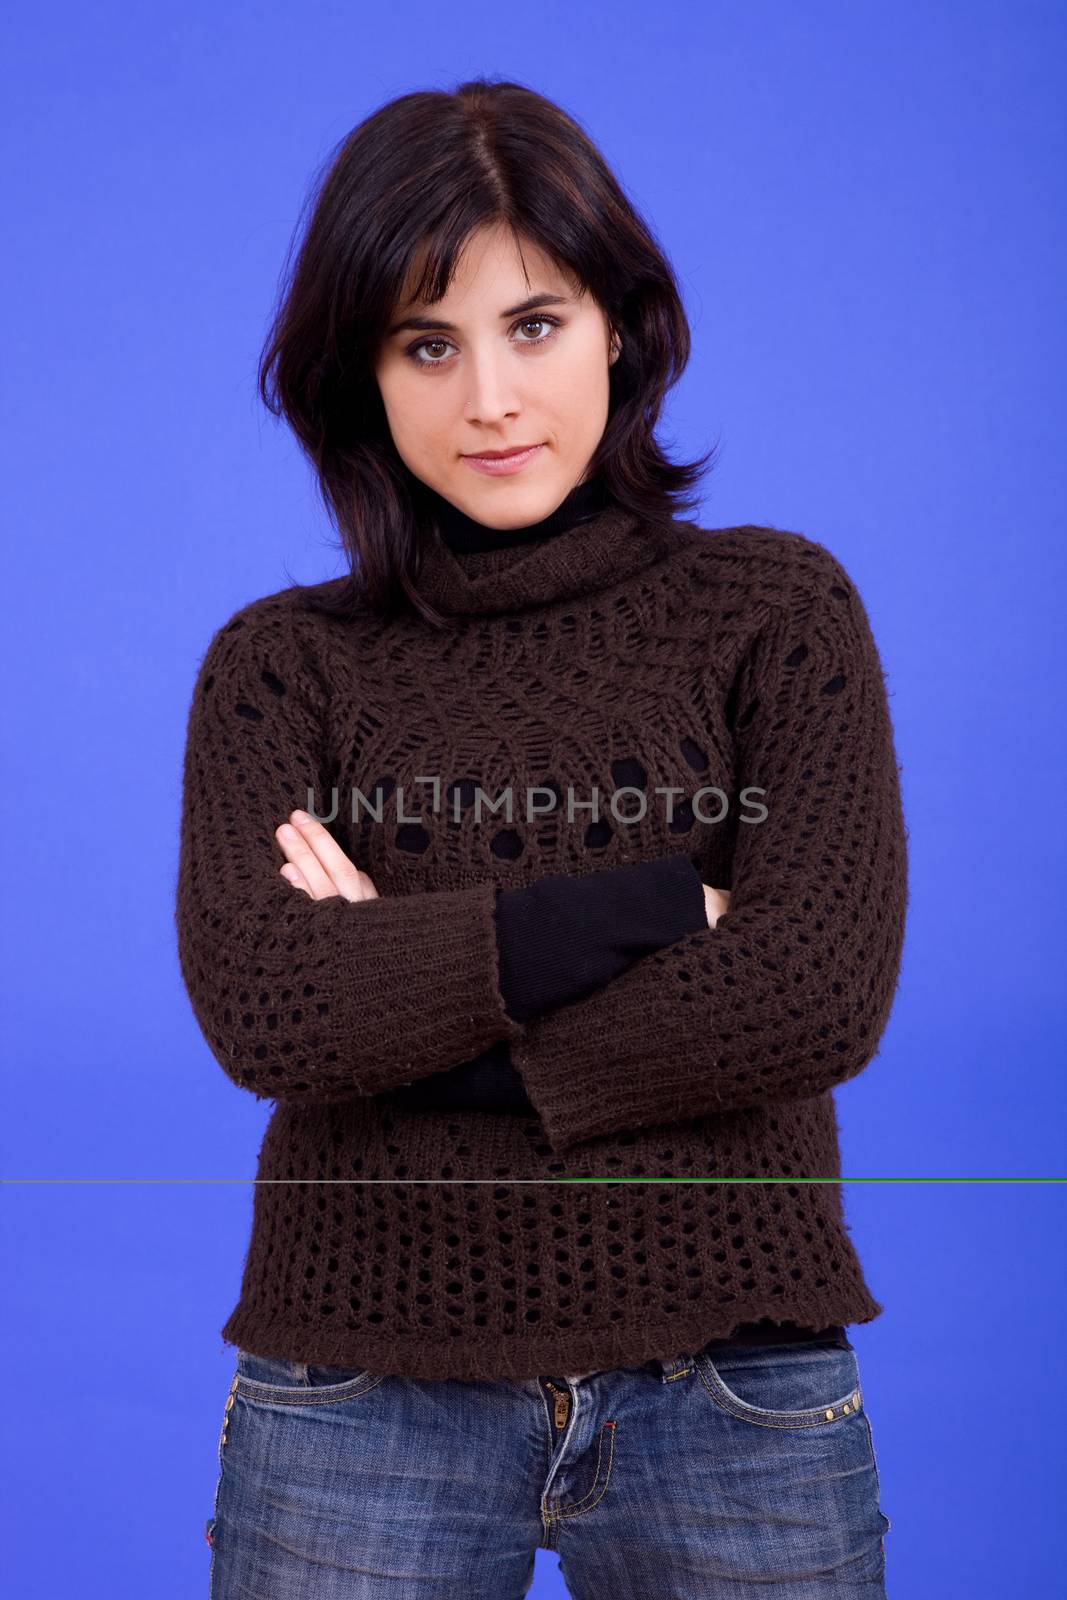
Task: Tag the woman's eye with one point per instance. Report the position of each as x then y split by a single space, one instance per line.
427 344
550 324
432 346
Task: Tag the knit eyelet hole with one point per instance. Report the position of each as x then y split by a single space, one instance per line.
694 755
682 820
628 773
464 790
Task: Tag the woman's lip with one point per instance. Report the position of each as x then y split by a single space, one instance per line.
500 466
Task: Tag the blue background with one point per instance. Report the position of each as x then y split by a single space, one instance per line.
862 207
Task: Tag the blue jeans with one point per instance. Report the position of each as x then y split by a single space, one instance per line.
738 1475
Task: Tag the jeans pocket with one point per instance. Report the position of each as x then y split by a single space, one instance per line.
321 1377
275 1372
272 1380
809 1385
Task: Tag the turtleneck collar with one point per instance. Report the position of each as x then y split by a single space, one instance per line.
588 543
465 536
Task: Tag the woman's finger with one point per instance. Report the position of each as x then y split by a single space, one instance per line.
299 852
716 903
292 874
342 873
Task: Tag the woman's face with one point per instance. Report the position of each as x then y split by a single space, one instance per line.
478 373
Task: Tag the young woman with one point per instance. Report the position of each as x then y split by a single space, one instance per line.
548 871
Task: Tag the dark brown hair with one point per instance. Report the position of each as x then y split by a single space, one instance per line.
409 185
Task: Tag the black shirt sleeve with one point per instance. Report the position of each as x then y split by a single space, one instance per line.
564 936
559 938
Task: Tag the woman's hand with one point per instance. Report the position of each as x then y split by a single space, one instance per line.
316 863
716 903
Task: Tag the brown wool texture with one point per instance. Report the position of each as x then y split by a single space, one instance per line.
445 1244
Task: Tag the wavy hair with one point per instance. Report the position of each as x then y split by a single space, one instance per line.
397 200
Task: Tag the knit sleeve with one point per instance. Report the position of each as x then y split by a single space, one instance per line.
316 1000
559 938
565 935
790 992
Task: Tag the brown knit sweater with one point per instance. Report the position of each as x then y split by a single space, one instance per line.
713 693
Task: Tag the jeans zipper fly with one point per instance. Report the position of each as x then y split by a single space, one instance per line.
563 1404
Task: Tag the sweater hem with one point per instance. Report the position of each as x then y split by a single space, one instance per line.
439 1356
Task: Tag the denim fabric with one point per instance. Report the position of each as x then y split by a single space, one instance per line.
718 1475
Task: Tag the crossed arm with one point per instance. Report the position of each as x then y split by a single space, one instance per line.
561 937
783 993
308 984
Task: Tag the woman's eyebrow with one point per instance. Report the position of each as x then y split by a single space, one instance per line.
433 325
